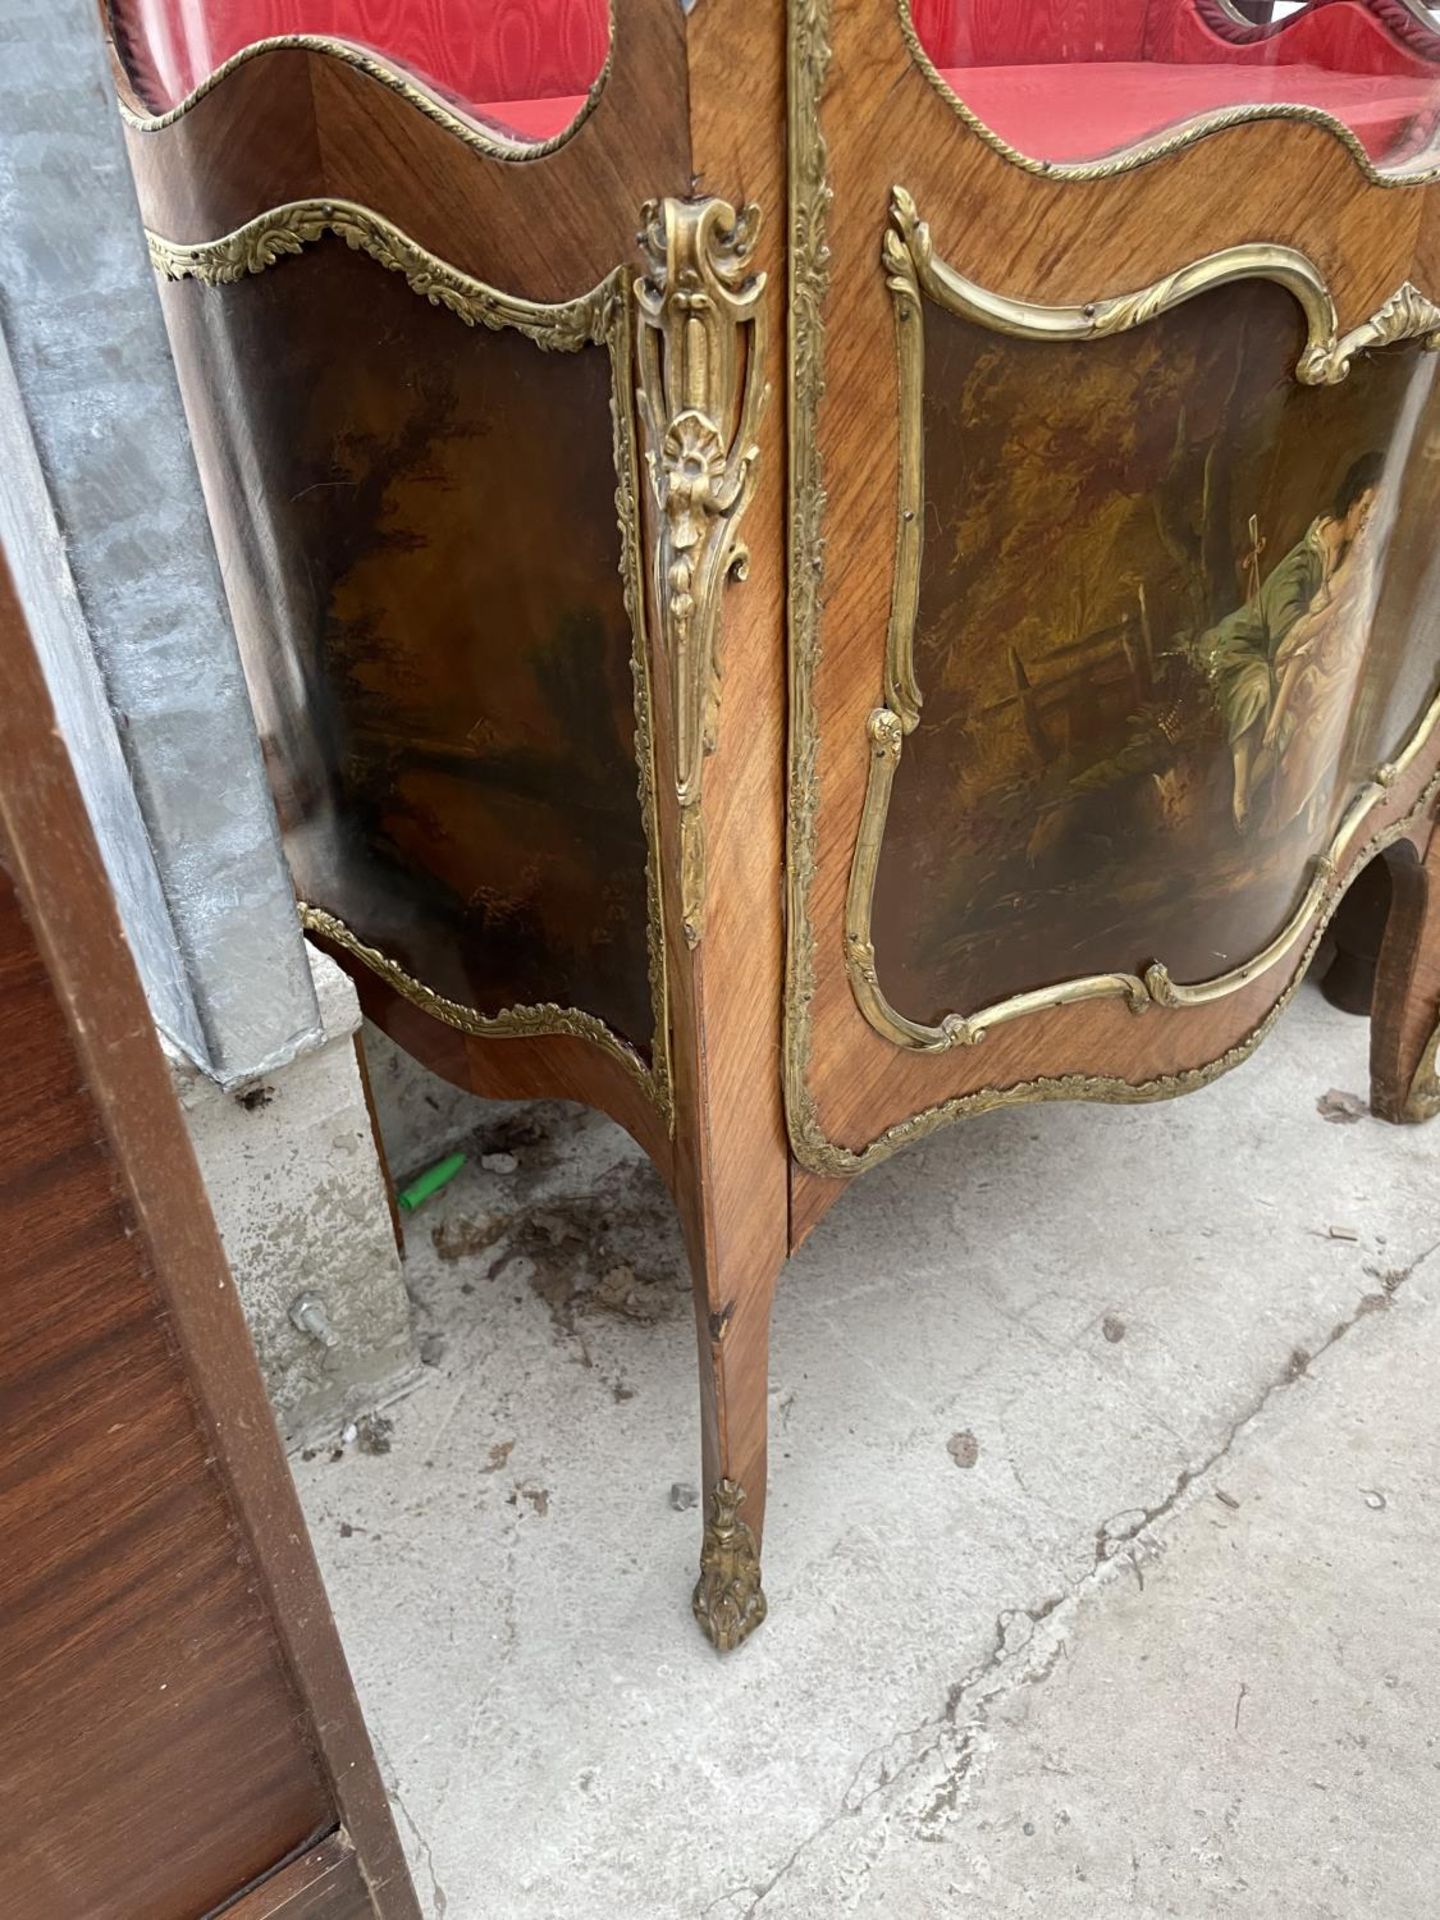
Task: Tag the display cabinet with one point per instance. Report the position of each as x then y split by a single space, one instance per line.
810 571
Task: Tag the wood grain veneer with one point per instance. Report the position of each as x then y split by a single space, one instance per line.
176 1718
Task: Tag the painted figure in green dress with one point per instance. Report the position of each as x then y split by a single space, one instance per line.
1245 655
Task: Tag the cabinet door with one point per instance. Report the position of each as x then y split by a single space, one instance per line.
1115 469
404 340
177 1726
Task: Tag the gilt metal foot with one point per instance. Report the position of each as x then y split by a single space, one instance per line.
729 1601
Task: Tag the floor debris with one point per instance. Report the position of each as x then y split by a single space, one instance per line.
467 1233
374 1433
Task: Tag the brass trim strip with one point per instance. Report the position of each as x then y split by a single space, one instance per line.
700 347
886 733
808 268
1159 145
601 317
283 231
476 134
825 1156
914 273
632 578
913 269
544 1020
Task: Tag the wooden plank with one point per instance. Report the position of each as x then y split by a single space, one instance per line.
324 1884
175 1712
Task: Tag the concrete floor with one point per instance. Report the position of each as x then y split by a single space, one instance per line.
1166 1645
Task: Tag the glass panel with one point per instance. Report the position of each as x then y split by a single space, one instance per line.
1075 80
523 64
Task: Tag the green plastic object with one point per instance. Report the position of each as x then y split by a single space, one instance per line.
431 1181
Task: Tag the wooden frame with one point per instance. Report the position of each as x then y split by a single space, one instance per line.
169 1237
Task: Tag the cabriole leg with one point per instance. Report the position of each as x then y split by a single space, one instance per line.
1405 1019
729 1599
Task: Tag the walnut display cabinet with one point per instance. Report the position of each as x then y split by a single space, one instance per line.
810 571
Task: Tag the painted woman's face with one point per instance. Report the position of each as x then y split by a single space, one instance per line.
1360 510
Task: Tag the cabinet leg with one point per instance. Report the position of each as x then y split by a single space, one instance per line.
729 1600
1405 1017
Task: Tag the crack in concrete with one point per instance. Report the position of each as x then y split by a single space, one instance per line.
1296 1368
1004 1667
440 1902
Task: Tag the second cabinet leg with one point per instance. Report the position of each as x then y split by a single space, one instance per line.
1405 1017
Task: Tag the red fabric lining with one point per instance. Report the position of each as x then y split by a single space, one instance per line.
1075 79
980 33
1080 112
513 51
533 119
1340 36
1062 79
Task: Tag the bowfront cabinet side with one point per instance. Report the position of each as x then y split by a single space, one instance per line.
809 569
477 330
1115 599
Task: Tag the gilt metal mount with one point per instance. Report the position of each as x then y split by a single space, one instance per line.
729 1601
701 350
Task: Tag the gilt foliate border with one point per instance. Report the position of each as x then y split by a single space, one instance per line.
601 317
284 231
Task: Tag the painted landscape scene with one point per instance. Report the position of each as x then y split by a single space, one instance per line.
1172 613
